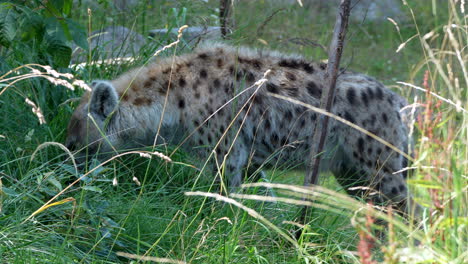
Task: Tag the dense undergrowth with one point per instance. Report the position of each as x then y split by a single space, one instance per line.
135 205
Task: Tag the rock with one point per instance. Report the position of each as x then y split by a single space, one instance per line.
191 34
111 42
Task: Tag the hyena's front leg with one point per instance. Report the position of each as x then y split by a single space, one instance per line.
234 160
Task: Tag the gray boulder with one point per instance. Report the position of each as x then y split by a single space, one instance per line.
111 42
190 35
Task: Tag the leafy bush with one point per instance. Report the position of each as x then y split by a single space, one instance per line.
38 32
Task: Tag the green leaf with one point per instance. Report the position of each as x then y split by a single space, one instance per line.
8 24
31 24
52 180
67 6
92 188
59 50
78 34
53 8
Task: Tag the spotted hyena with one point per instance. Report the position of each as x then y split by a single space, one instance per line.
209 100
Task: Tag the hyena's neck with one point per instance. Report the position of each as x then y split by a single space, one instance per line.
142 111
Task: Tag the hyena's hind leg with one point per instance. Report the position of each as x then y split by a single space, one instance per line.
373 177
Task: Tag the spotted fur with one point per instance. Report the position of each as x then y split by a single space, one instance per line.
192 94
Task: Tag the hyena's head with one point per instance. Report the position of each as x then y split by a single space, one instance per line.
89 128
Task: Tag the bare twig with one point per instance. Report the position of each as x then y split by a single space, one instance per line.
320 131
225 17
334 56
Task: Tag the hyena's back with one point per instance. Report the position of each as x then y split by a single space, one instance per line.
210 95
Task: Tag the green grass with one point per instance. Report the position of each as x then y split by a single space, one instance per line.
98 219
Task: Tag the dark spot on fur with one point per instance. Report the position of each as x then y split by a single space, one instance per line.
378 151
314 90
142 101
274 139
203 74
394 191
148 83
370 93
384 118
181 103
288 115
404 164
203 56
197 95
349 117
379 93
361 144
239 74
228 87
210 140
351 96
308 67
164 87
231 70
313 117
364 98
200 142
256 64
323 66
125 97
250 77
182 82
258 99
179 67
219 63
272 88
401 188
369 151
216 83
267 124
288 63
300 109
290 76
167 70
283 140
302 124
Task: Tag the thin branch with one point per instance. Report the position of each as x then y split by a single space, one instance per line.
225 17
326 102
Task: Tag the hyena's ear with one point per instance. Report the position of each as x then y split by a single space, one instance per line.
104 99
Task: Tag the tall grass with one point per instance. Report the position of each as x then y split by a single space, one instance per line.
134 208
